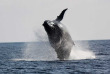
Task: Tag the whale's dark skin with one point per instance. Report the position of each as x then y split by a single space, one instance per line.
59 37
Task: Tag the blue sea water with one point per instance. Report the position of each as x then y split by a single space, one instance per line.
11 51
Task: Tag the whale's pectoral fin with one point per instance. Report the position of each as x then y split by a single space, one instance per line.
60 17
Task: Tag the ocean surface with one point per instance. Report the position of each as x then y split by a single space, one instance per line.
39 58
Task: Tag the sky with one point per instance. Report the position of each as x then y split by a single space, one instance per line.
21 20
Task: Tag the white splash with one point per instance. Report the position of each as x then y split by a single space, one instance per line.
78 53
42 51
39 51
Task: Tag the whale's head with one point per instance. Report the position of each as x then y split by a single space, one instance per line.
54 28
51 27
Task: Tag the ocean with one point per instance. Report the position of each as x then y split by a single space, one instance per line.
40 58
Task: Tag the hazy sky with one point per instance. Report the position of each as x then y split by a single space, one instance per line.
85 19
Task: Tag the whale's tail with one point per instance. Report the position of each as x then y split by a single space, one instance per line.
60 17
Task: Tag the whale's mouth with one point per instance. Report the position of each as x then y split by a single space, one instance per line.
48 23
49 26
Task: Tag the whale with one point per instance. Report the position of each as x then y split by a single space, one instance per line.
59 37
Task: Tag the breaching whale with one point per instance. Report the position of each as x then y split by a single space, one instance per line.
59 37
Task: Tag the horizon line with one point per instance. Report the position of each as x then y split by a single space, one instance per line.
46 41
